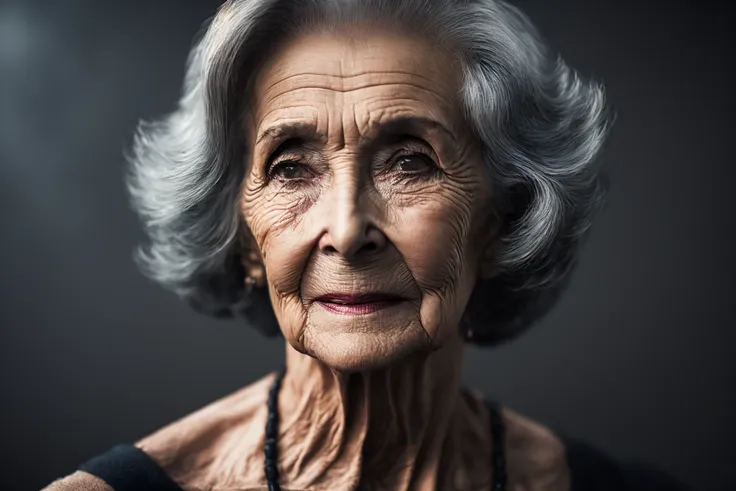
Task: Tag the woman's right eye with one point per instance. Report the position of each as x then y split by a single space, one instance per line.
289 171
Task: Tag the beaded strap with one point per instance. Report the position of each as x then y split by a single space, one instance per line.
272 434
498 438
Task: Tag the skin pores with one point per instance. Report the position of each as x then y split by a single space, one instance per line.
363 178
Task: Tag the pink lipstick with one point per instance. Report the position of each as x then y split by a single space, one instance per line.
360 304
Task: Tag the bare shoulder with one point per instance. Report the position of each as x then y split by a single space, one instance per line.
198 449
78 481
536 457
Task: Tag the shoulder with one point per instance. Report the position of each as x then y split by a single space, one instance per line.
78 481
196 452
535 456
195 449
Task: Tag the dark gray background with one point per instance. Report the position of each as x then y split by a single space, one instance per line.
636 358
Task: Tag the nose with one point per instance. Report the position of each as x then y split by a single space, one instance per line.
350 230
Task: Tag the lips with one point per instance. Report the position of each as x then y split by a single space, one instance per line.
360 304
345 299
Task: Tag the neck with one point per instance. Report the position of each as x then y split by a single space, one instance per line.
384 428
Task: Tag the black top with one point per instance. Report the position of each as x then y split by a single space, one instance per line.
128 468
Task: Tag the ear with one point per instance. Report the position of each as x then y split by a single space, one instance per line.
251 259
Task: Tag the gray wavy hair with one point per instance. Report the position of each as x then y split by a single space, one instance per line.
540 125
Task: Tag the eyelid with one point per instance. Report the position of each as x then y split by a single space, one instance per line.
415 146
412 142
276 163
283 155
296 146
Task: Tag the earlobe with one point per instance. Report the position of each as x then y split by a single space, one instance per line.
255 275
250 257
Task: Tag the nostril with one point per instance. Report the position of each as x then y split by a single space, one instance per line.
351 240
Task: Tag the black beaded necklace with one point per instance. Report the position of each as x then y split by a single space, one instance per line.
272 433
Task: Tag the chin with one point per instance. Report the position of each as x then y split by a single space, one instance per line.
359 343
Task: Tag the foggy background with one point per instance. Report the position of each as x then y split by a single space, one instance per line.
636 358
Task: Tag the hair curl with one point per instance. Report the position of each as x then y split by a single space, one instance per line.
540 125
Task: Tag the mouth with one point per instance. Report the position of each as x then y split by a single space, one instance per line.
359 304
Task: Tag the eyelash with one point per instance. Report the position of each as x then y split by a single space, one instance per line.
402 154
272 171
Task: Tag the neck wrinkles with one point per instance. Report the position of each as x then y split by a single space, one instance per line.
383 428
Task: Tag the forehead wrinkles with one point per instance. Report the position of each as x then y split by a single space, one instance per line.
301 94
342 57
342 66
347 83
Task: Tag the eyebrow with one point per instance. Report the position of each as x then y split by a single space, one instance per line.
383 131
297 129
404 125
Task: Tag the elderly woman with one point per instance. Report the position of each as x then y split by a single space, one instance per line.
381 182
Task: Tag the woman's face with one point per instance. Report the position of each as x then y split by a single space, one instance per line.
366 196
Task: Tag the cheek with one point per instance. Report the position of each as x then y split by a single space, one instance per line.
285 251
432 240
281 236
435 241
437 234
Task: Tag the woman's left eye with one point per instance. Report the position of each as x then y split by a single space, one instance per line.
413 164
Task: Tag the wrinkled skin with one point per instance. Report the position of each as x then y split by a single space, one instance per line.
348 209
373 401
